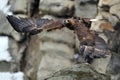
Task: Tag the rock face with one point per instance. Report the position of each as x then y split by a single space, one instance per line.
77 72
101 65
31 57
86 8
6 66
113 67
57 7
19 6
115 9
108 2
49 52
57 51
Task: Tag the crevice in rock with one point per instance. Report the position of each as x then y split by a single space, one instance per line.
23 60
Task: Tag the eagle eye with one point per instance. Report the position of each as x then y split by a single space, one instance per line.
67 22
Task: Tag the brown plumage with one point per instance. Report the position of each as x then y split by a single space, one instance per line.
91 45
33 26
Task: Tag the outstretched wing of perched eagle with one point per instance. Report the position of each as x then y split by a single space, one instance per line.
32 25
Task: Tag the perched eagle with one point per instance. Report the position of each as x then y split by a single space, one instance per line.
91 45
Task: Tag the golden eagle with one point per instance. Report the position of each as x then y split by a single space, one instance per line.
91 45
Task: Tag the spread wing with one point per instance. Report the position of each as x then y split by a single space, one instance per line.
34 26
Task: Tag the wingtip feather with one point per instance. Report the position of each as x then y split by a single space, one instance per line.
14 21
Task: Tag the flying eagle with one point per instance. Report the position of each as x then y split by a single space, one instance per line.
91 45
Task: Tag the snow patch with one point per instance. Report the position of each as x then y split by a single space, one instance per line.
4 54
11 76
4 7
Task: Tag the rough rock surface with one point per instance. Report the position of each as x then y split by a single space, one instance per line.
57 7
113 67
57 51
7 66
108 2
19 6
86 8
31 57
77 72
101 64
115 9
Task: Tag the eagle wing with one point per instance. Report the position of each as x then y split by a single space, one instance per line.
34 26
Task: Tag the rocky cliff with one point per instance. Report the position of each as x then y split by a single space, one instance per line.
48 56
